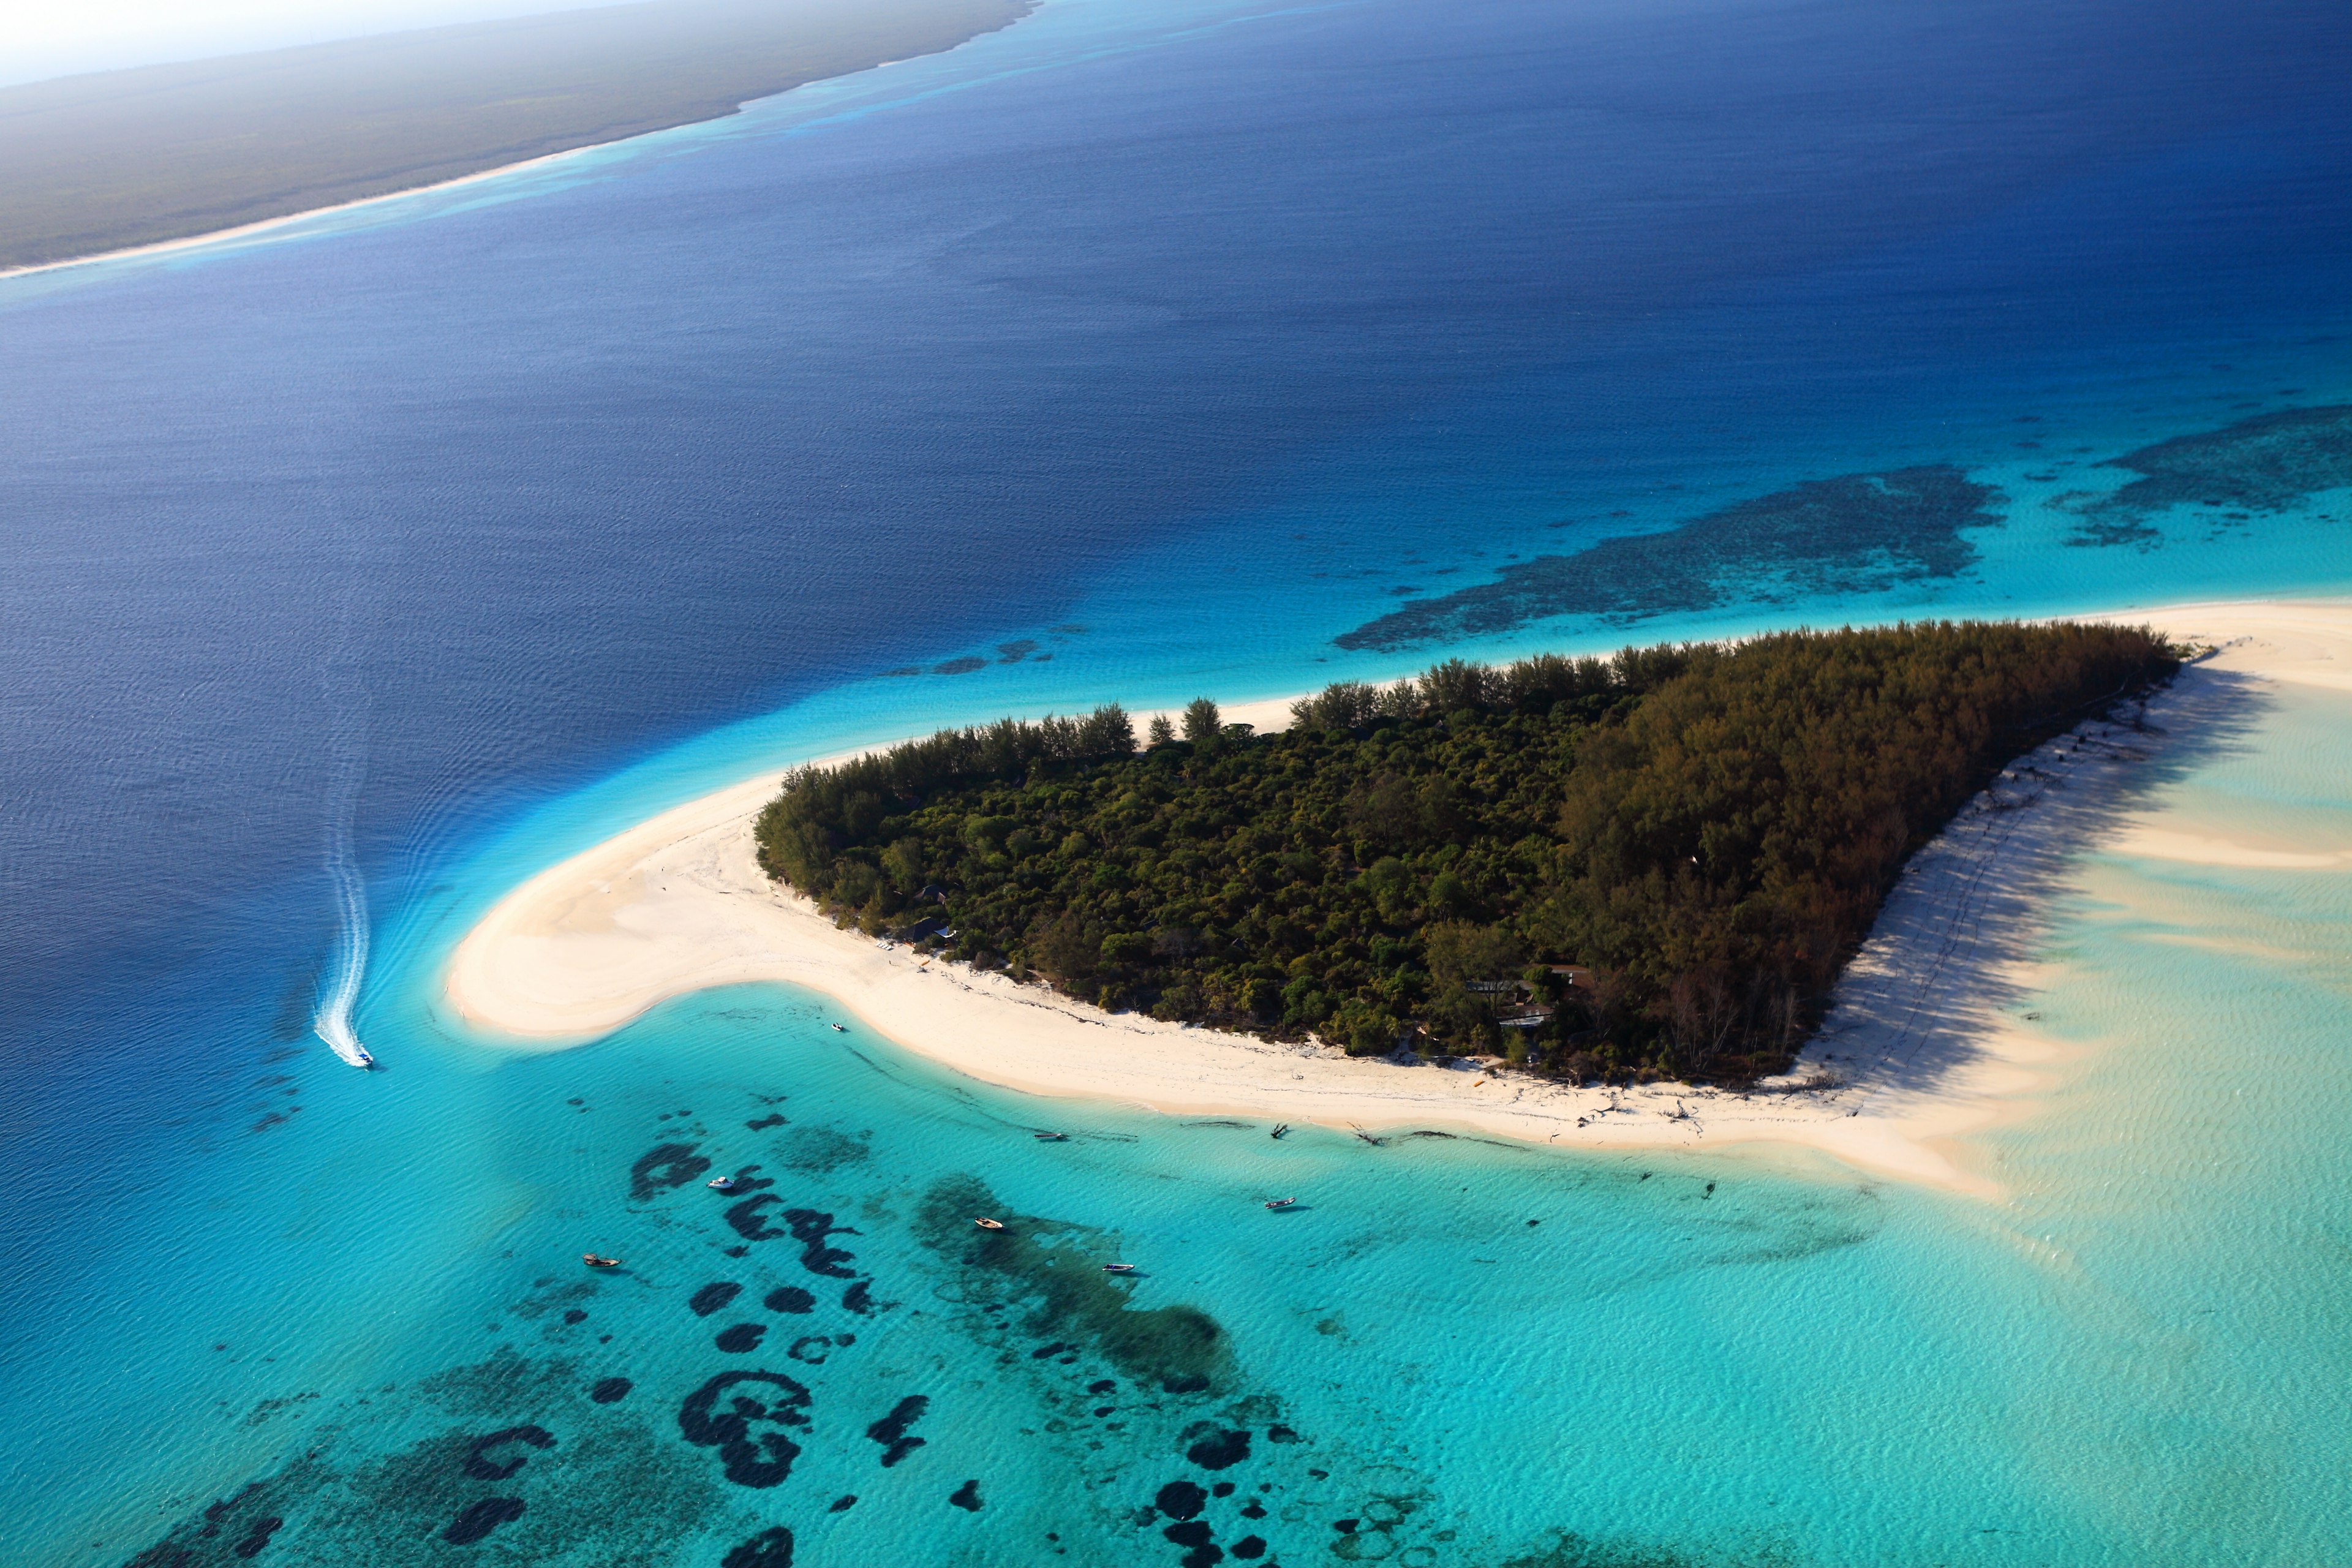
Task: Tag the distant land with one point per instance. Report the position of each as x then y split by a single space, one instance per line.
118 159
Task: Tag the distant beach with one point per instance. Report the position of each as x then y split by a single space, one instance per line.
264 225
1914 1053
129 162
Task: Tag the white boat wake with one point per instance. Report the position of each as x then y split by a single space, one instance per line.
333 1022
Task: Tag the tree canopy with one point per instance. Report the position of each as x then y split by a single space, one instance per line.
1655 862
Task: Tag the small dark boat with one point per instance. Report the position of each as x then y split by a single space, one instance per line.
1051 1136
1279 1130
1118 1267
986 1224
1280 1203
720 1184
592 1261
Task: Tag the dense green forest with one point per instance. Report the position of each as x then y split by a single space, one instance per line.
1654 863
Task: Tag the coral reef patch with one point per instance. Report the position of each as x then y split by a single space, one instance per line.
2262 465
1054 1267
1855 533
663 1166
749 1458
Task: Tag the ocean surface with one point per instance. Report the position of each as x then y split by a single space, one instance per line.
1145 349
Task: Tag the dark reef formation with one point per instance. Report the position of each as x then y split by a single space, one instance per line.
1855 533
892 1430
663 1166
712 1297
769 1549
2262 465
556 1458
729 1414
1055 1268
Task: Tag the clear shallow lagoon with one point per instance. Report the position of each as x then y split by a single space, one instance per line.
1212 331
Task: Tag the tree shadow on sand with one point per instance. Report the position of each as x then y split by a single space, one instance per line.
1920 1000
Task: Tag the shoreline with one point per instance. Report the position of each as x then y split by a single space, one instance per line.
1915 1052
263 225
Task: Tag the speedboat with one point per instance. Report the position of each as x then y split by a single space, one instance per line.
1051 1136
592 1261
839 1030
721 1183
361 1058
986 1224
1118 1267
1280 1203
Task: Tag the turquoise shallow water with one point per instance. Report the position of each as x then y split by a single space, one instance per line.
2137 1358
1136 351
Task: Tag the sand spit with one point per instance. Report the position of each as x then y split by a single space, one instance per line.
1922 1045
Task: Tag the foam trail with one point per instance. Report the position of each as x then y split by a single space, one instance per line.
347 700
333 1022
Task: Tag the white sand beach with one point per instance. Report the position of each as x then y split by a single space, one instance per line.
1919 1049
268 224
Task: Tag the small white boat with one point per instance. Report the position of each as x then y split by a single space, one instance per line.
1280 1203
986 1224
720 1184
1118 1267
359 1057
839 1030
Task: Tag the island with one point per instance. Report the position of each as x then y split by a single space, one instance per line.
1929 1037
1654 866
117 160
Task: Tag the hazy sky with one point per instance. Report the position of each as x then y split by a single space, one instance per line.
42 38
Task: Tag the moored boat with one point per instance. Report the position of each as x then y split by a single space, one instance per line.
1280 1203
593 1261
986 1224
1051 1136
720 1184
1118 1267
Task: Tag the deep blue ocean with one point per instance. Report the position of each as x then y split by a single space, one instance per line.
1144 349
